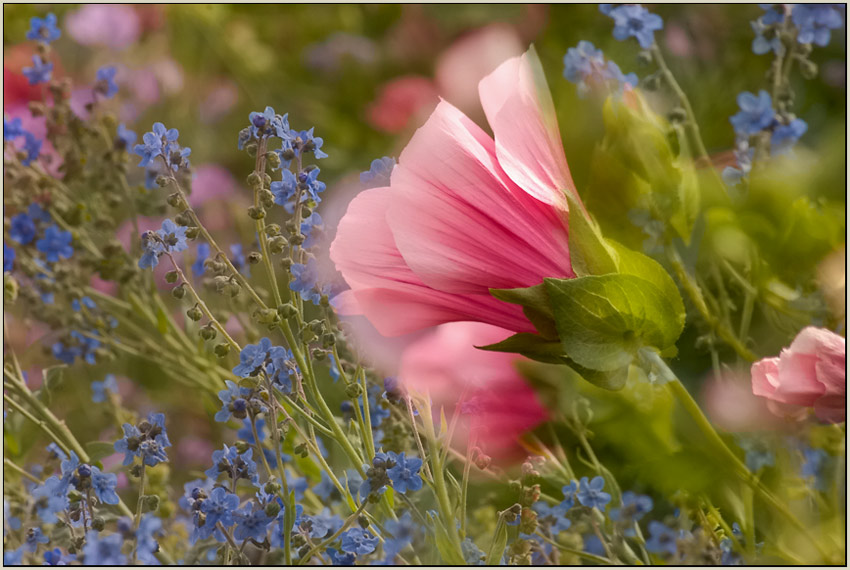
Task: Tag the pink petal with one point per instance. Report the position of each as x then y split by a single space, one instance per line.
460 223
519 109
386 291
798 382
764 374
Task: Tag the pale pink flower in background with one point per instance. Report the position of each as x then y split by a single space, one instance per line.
221 99
211 181
111 25
144 85
470 59
463 214
731 405
194 450
400 102
495 403
809 373
169 73
677 41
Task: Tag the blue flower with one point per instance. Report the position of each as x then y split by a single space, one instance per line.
401 533
590 494
32 146
39 214
585 63
170 238
34 538
309 143
22 228
284 189
334 368
252 357
99 388
12 129
56 558
324 523
39 72
13 557
8 258
756 113
55 244
554 518
340 558
238 259
86 301
786 136
569 492
812 468
631 20
125 137
106 82
13 523
203 253
234 401
146 441
154 143
405 474
662 539
50 498
472 555
219 507
146 544
761 44
815 21
251 523
632 508
87 345
104 551
306 281
324 488
379 172
744 155
104 485
44 29
358 541
236 466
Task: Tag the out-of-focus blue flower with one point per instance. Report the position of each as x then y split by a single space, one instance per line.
815 22
125 138
590 494
44 29
12 129
8 258
99 388
324 523
786 136
39 72
203 252
219 507
56 558
56 243
744 155
405 473
662 539
22 228
13 557
340 558
766 39
306 281
401 533
104 485
756 113
309 143
251 522
358 541
86 301
632 508
32 146
146 544
592 545
238 259
472 555
379 172
585 65
103 551
812 468
632 20
106 81
34 538
553 518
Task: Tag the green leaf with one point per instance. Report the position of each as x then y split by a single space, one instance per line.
535 305
53 376
447 549
603 320
161 321
531 346
589 252
497 547
97 450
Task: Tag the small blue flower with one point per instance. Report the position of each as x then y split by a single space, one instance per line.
324 523
592 545
631 510
32 146
99 388
50 498
13 557
87 302
44 29
324 488
148 445
358 541
340 558
472 555
12 129
219 507
306 281
8 258
554 518
203 253
228 460
234 401
22 228
104 551
284 189
662 539
156 143
104 485
590 494
813 464
379 172
631 20
569 492
106 82
401 533
584 63
309 143
786 136
238 259
34 538
252 357
146 544
125 137
56 558
815 22
251 523
756 113
55 244
761 44
405 474
40 71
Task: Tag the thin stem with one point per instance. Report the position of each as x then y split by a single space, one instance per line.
322 545
8 463
138 516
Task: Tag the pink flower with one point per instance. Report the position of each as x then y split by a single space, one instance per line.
400 101
463 214
495 404
113 25
809 373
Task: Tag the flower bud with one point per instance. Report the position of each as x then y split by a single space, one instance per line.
150 503
207 332
171 276
194 313
273 230
256 213
353 390
286 311
808 69
273 159
193 232
242 446
175 200
297 239
162 181
266 198
251 149
222 349
254 258
328 340
277 244
254 180
272 509
98 523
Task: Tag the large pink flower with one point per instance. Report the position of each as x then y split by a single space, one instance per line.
809 373
496 405
463 213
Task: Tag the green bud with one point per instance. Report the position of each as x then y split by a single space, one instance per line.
266 198
254 180
363 521
179 292
286 311
273 230
286 263
254 258
195 313
207 332
652 82
644 58
98 523
319 354
272 509
222 349
328 340
171 276
150 503
162 181
297 239
277 244
10 288
256 213
678 115
324 301
273 159
242 446
301 449
176 201
808 69
317 326
267 316
193 232
251 149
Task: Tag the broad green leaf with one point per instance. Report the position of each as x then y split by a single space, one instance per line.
603 320
97 450
531 346
589 253
448 551
535 306
497 548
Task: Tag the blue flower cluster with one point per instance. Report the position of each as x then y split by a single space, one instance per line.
40 72
147 441
379 172
44 29
171 238
632 20
586 66
13 130
163 142
305 281
277 363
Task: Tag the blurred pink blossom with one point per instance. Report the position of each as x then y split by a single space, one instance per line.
677 41
731 405
401 102
495 404
809 373
221 99
211 181
194 450
112 25
470 59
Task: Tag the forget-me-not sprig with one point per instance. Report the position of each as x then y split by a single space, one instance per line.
585 65
218 507
104 485
305 141
590 493
358 541
56 243
379 172
786 136
405 473
22 228
756 113
235 465
157 142
815 22
40 71
251 522
632 20
234 402
147 441
170 238
632 508
105 83
323 523
99 389
553 518
662 539
44 29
